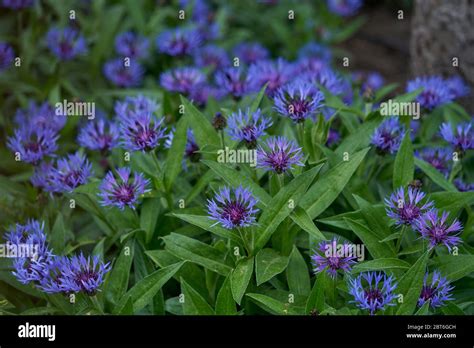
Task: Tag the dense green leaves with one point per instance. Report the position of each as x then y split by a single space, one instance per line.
193 302
240 278
268 263
404 165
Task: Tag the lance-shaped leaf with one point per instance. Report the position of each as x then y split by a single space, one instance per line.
435 175
194 303
225 304
173 165
240 278
268 263
117 281
274 306
404 165
209 225
297 274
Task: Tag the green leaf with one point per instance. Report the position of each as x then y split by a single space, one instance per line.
452 201
451 308
303 220
144 290
149 215
410 285
274 306
240 278
190 249
268 263
58 235
424 310
207 224
194 303
359 139
404 166
279 208
456 267
258 99
297 274
316 297
136 13
118 279
225 304
435 175
330 185
380 265
173 165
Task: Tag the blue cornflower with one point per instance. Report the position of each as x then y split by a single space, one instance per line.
131 106
235 81
435 91
273 73
457 87
298 100
33 143
315 50
191 150
437 231
233 207
17 4
66 43
405 207
279 155
141 132
200 9
247 126
462 138
212 56
201 93
463 186
250 52
123 189
40 115
331 81
438 157
6 55
333 137
310 67
388 136
132 45
373 291
179 41
42 175
344 8
123 73
369 81
328 258
70 172
438 292
101 135
182 80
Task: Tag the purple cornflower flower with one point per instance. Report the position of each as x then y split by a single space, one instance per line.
201 93
124 189
122 73
369 81
388 136
462 138
405 207
438 157
331 81
42 176
41 116
51 275
248 126
66 43
182 80
281 156
132 45
131 106
235 81
376 294
250 52
298 100
438 292
315 50
141 132
213 56
437 231
333 137
333 256
457 87
101 135
309 67
463 186
32 143
200 9
17 4
69 173
273 73
191 150
179 41
6 55
344 8
435 91
233 208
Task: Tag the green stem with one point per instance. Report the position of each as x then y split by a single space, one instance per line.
244 241
399 241
96 304
300 130
222 138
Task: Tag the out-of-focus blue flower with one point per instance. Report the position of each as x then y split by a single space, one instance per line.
437 231
298 100
326 257
435 91
333 137
315 50
438 157
70 172
273 73
17 4
33 143
457 87
191 150
369 81
250 52
179 41
201 93
123 73
405 207
141 132
247 126
132 45
233 207
6 55
388 136
182 80
373 291
235 81
344 8
42 175
101 135
134 105
122 189
66 43
309 68
212 56
279 155
437 292
462 138
463 186
41 116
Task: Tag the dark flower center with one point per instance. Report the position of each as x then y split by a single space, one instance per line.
427 293
279 161
298 108
373 295
124 193
72 178
409 212
65 48
235 212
